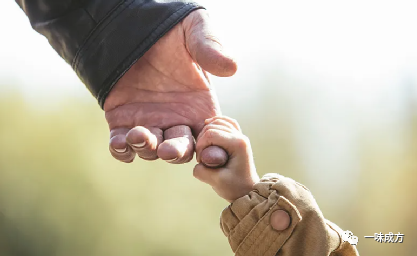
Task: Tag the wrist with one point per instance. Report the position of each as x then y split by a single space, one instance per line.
242 189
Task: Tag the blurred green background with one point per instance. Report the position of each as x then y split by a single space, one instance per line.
327 97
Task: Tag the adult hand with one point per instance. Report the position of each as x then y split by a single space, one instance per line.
157 107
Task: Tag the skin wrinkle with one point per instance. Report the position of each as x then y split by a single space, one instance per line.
178 52
191 29
171 76
158 84
188 86
158 97
160 77
172 98
119 117
174 71
214 39
124 119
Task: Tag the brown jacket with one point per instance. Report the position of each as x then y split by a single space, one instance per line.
246 223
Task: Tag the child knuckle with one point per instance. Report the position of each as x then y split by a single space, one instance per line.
196 173
210 134
243 141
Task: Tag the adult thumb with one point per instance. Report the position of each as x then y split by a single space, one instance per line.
204 47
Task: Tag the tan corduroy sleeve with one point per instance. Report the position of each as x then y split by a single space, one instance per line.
246 223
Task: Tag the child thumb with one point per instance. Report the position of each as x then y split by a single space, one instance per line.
205 174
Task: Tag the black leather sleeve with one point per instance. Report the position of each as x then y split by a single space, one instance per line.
102 39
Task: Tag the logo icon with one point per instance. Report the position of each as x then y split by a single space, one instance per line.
348 236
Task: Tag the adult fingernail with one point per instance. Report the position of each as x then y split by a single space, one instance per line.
120 150
172 160
208 120
139 145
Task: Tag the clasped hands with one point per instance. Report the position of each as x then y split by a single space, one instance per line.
166 100
159 106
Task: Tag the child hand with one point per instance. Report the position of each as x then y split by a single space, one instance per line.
237 177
